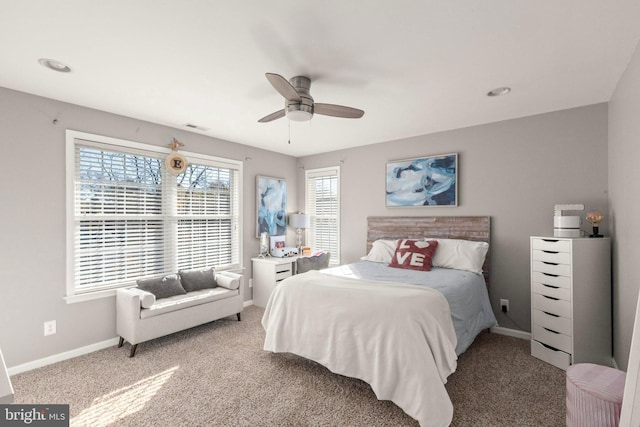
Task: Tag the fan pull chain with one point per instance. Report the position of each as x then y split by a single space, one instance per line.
289 131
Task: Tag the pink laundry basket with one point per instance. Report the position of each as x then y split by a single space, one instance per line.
594 395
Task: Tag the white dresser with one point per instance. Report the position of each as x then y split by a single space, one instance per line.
267 273
571 300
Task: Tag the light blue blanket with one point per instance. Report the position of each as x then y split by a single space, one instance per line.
465 292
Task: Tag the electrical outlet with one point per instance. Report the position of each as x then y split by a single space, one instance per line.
504 305
49 327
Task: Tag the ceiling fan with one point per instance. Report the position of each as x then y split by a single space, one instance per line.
299 105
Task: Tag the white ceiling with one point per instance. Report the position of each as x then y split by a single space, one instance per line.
415 67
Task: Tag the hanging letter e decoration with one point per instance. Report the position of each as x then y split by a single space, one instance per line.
176 162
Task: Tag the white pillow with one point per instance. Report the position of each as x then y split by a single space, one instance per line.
147 299
228 282
381 251
460 254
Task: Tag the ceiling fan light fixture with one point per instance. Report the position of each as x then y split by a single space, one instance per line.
54 65
299 111
299 115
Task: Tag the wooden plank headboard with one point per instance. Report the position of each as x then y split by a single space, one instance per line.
477 228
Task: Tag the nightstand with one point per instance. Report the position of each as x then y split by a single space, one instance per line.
267 273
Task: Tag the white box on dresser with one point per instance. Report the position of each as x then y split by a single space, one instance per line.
571 300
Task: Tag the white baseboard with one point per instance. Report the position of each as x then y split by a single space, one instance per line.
614 363
18 369
62 356
512 332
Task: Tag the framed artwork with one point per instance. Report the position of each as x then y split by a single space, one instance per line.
277 242
271 206
423 181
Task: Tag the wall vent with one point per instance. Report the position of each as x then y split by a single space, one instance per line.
192 126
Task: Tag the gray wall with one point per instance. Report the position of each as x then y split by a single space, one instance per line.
515 171
32 213
624 199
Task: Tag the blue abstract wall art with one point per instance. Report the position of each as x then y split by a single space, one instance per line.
424 181
271 202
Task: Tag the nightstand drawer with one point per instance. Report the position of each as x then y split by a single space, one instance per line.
551 321
551 245
282 268
553 338
551 305
281 275
554 257
552 291
551 267
551 279
556 357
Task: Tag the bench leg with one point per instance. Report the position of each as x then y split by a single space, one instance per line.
133 350
121 343
238 316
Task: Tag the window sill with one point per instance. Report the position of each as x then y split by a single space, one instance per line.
72 299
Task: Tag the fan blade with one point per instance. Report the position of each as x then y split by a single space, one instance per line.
272 116
283 87
337 111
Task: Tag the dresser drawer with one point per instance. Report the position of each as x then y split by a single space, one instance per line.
551 291
553 257
551 279
554 322
551 245
556 357
551 267
550 305
553 338
281 275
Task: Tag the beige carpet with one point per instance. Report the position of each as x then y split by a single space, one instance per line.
218 375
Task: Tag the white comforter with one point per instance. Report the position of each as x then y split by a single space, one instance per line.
398 338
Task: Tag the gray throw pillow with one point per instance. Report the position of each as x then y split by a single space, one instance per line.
162 287
194 280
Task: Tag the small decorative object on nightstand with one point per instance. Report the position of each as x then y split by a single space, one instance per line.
264 244
594 217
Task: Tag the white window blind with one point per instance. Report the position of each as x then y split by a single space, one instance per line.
132 218
323 205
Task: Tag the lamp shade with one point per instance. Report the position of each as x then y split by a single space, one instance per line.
594 217
299 220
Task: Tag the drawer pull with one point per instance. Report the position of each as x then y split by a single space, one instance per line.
549 286
551 275
551 330
548 346
555 299
551 252
551 240
550 314
550 263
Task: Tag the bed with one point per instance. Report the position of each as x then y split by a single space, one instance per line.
400 330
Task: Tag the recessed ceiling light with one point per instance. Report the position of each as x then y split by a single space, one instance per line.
54 65
499 91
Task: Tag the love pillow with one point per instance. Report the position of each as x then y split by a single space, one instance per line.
414 254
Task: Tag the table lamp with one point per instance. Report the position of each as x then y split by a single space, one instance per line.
594 217
299 221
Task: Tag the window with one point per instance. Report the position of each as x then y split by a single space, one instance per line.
129 217
323 205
